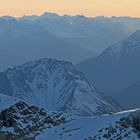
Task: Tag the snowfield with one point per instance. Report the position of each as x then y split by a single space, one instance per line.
86 128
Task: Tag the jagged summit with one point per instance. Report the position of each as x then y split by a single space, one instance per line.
43 62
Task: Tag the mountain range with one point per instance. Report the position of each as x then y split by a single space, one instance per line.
70 38
93 33
22 41
50 98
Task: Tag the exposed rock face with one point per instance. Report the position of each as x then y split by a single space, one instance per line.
24 122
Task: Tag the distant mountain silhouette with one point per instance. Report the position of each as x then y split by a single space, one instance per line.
21 41
117 67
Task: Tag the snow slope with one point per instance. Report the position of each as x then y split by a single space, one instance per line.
116 126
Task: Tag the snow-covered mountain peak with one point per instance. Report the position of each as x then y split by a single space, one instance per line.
57 86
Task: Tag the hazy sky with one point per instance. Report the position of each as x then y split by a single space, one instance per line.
72 7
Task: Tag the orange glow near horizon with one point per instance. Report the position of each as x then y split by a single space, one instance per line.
93 8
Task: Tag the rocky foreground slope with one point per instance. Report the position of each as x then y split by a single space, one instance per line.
22 121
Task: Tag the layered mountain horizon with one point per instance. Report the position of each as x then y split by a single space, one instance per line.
70 38
69 77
